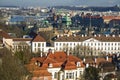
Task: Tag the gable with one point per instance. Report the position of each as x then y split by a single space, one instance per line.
91 40
38 38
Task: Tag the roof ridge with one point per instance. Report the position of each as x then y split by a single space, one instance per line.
38 38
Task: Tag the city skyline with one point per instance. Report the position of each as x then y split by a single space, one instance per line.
45 3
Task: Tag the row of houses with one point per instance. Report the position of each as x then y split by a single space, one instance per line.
62 65
96 44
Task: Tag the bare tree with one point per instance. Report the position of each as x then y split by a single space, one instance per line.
11 68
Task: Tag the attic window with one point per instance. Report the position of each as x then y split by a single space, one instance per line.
78 64
50 65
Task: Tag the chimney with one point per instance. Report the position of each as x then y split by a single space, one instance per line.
61 35
85 35
99 35
119 35
58 36
113 35
82 35
106 35
107 58
53 51
95 35
87 65
50 65
95 60
68 35
84 60
68 53
74 35
41 54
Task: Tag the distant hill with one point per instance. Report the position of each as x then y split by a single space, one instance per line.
114 8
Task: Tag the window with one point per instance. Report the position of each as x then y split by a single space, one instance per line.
42 44
55 75
101 43
66 75
95 44
35 44
98 44
56 44
70 75
80 72
91 44
111 48
38 44
60 44
118 44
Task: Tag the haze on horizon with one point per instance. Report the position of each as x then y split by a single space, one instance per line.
46 3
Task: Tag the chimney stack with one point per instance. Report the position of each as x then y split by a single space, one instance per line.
41 54
107 58
84 60
95 60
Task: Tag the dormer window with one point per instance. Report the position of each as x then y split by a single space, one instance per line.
78 64
37 63
50 65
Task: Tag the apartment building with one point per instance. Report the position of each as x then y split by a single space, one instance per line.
98 43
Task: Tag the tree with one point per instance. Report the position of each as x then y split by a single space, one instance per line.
91 73
80 50
11 68
24 56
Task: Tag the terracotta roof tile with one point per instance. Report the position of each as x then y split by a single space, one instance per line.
57 59
38 73
39 38
69 65
4 34
111 17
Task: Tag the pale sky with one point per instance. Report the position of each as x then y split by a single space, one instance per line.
45 3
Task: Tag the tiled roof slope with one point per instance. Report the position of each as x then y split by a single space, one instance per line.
57 59
79 38
4 34
38 38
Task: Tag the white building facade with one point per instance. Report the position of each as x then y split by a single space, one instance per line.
106 44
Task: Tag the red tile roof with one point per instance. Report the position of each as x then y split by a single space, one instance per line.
39 73
69 65
57 59
4 34
111 17
39 38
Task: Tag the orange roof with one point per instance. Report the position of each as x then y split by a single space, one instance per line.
57 59
69 65
39 38
4 34
111 17
38 73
